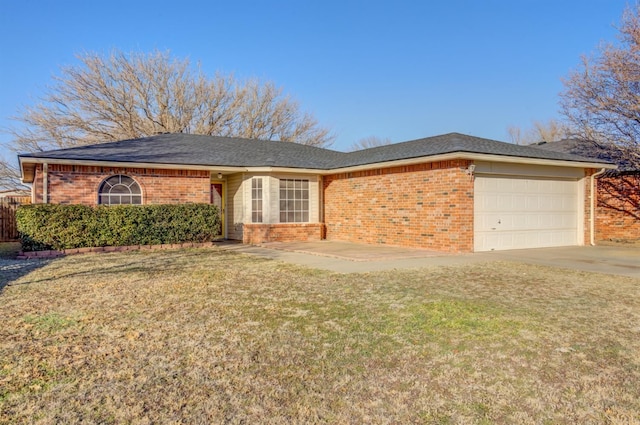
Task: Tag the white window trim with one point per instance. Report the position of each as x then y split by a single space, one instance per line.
103 182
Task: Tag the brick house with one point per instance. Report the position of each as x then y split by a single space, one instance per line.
453 193
617 211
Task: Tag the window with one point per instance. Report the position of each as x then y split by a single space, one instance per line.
119 190
256 200
294 201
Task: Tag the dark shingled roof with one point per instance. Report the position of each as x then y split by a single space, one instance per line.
456 142
591 149
187 149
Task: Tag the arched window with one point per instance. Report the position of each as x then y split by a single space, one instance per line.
119 190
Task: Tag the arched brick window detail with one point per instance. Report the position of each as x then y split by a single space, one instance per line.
119 190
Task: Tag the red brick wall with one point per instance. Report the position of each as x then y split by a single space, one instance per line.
283 232
426 205
618 210
72 184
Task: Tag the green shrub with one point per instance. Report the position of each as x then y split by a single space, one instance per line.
77 226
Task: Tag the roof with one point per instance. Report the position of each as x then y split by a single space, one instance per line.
585 148
456 142
213 151
191 149
14 193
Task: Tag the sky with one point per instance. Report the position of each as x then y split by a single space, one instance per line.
398 69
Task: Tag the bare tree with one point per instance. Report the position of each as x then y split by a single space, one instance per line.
124 96
550 131
369 142
515 134
9 176
601 99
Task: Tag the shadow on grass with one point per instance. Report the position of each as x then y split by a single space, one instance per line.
160 261
12 269
144 263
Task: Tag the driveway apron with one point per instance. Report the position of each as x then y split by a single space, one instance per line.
345 257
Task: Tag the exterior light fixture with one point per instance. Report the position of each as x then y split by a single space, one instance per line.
219 176
471 169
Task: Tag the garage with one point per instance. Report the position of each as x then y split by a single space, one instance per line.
515 212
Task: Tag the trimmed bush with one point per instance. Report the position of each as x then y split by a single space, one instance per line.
52 226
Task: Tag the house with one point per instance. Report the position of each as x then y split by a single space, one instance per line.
19 193
452 193
617 212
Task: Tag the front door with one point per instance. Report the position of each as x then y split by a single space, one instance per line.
217 199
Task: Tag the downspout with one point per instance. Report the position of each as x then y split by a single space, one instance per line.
323 228
592 213
45 183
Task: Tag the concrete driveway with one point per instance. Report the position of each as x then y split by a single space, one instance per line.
617 260
344 257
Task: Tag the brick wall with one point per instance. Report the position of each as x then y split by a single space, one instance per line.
282 232
618 210
426 205
72 184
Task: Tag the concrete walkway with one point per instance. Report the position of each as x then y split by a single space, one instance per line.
344 257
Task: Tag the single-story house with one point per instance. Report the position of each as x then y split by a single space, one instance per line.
14 193
453 192
617 213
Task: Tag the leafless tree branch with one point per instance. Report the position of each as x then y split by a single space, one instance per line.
125 96
550 131
369 142
601 99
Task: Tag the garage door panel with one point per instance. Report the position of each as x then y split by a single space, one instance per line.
525 239
520 221
512 212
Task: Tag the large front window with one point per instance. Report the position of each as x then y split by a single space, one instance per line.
294 201
119 190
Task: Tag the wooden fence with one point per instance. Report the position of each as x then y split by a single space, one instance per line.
8 207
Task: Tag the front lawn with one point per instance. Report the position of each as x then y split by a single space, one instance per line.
208 336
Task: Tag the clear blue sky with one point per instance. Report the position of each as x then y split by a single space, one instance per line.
393 69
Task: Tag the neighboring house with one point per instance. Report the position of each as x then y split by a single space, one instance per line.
618 191
453 192
14 193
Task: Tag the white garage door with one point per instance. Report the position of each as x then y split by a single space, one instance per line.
513 213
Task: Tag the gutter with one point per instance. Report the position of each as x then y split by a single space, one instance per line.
592 218
269 169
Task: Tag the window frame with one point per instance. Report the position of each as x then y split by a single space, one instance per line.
295 200
133 195
257 200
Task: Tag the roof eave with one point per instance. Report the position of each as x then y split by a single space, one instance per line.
27 166
474 157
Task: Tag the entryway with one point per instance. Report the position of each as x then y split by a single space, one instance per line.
217 199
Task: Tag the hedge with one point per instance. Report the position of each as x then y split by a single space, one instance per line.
51 226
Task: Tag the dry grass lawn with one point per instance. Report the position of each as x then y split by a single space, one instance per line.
207 336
